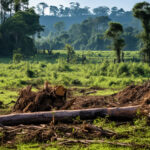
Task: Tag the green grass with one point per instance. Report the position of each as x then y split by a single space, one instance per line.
102 75
39 146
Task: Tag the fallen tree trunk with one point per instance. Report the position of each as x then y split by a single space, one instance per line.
68 115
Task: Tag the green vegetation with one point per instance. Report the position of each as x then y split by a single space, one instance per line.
97 71
75 14
18 28
114 32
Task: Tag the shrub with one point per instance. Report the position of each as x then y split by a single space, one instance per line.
23 82
65 80
76 82
55 75
63 68
17 58
123 70
103 68
43 65
30 73
111 83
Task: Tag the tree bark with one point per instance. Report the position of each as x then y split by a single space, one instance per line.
68 115
118 56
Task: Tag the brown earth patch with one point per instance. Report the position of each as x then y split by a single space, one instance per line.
130 96
60 98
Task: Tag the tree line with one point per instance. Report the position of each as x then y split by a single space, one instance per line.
101 32
76 10
90 34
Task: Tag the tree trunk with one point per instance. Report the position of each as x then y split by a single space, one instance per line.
69 115
118 56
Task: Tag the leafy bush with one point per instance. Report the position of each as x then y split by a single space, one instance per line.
43 65
123 70
30 73
17 57
62 66
76 82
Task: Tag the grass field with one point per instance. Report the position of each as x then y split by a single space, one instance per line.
98 71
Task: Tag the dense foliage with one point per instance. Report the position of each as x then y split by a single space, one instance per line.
142 12
75 14
17 29
87 35
114 33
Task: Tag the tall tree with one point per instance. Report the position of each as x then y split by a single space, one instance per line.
67 11
84 11
17 30
114 32
101 11
4 9
114 11
20 5
17 5
54 10
142 12
61 10
75 7
41 7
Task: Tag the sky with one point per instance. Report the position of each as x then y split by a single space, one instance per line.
125 4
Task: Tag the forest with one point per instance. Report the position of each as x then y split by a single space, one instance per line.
65 22
74 77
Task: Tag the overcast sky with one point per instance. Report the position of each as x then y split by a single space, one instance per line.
125 4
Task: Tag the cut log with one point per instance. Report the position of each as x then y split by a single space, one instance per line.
60 91
68 115
43 100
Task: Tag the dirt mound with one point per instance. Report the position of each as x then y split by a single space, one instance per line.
85 102
130 96
55 97
134 94
43 100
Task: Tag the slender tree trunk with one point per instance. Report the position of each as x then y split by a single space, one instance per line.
118 56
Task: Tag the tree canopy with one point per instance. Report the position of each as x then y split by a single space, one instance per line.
114 32
16 30
142 12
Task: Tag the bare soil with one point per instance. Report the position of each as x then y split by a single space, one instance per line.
130 96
